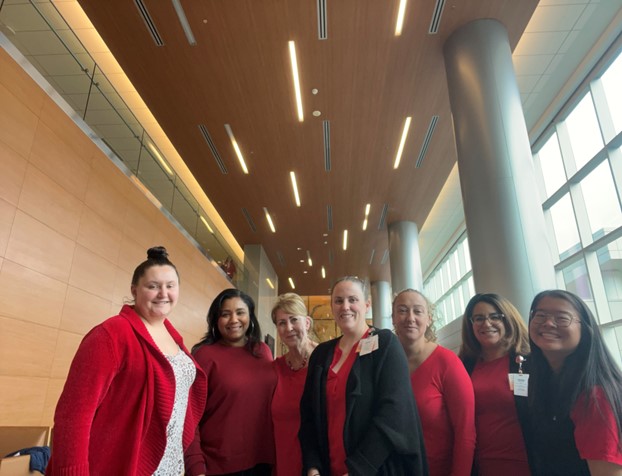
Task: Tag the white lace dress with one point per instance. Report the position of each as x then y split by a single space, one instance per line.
172 463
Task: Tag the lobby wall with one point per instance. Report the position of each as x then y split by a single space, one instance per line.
72 229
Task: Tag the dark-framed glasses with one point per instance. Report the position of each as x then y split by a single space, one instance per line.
561 319
494 318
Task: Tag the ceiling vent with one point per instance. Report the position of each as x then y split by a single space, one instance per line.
371 258
385 256
436 17
281 258
212 146
330 257
326 126
329 217
144 13
426 141
249 220
321 20
383 216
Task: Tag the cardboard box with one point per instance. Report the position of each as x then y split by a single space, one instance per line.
14 438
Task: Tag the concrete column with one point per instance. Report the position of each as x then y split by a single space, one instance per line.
381 304
404 256
504 219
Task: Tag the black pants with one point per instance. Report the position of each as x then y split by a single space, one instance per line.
259 470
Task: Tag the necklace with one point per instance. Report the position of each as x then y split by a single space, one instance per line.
302 365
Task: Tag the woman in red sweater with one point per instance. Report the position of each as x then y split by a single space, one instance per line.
293 325
441 385
133 396
235 435
494 341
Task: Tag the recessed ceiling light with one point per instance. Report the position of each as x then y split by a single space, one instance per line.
400 149
317 113
207 224
296 79
399 23
270 283
238 152
269 218
314 91
345 240
292 175
367 208
291 283
323 273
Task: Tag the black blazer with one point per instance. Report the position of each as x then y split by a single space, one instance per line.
382 431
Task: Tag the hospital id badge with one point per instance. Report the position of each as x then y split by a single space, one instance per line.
519 384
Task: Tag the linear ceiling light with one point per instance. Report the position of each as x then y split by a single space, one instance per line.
291 283
207 224
184 22
269 218
294 62
159 158
367 208
238 152
270 283
398 156
400 17
309 260
292 175
345 240
323 273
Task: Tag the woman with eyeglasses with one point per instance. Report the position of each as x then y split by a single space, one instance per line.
575 391
442 387
494 343
235 435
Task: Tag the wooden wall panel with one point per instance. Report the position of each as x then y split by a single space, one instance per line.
72 229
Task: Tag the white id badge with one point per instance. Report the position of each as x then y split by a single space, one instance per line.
368 345
519 384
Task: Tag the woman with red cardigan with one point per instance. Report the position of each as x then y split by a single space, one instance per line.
289 314
133 396
235 435
441 385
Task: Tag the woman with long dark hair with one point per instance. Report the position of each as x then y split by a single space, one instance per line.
575 391
235 434
494 343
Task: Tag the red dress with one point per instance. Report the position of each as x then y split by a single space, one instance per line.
500 448
286 417
445 400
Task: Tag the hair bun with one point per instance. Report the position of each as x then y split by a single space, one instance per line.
157 253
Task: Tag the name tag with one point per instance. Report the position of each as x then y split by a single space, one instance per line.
519 384
368 345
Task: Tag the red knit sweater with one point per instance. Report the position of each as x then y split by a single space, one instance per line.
112 415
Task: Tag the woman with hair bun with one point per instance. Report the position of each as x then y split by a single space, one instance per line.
289 314
235 434
133 396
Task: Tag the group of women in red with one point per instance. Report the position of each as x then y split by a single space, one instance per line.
541 400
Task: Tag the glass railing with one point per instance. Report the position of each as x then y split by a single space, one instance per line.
40 33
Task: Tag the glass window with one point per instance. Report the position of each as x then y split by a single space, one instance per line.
611 83
601 201
584 131
565 226
577 281
610 262
552 166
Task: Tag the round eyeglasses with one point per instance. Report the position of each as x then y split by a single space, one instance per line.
560 319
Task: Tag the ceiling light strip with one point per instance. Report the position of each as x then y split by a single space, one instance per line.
159 158
322 32
292 175
238 152
400 149
383 216
269 219
184 22
385 256
296 79
329 217
209 228
367 208
323 273
291 283
270 283
345 240
210 143
250 221
326 130
399 23
436 17
426 141
144 13
309 260
371 258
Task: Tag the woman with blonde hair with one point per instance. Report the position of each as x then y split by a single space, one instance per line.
293 325
441 385
494 343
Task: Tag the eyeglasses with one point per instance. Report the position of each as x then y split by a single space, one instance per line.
494 318
561 320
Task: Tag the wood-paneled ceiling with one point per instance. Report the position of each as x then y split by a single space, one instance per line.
368 81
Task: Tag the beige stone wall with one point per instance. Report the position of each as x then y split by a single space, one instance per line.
72 229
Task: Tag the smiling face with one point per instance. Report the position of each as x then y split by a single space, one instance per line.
489 334
292 329
411 316
349 307
233 322
555 342
156 292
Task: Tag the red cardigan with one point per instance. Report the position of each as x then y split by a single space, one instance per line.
112 415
